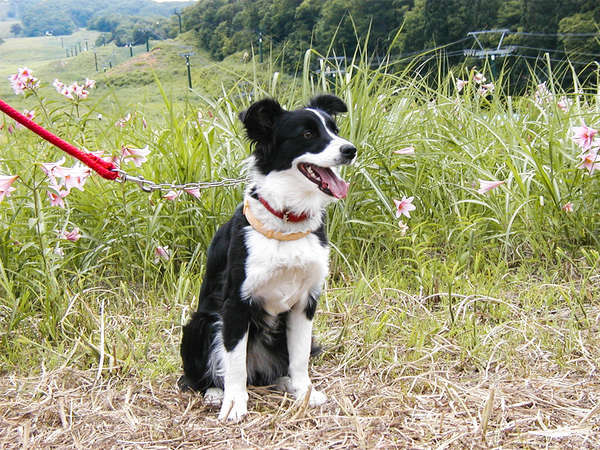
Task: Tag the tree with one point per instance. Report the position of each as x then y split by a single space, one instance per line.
579 23
16 29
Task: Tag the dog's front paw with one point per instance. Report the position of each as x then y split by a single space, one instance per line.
317 398
234 407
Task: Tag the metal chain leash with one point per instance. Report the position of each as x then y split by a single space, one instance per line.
150 186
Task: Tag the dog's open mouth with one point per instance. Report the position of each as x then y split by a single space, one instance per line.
325 179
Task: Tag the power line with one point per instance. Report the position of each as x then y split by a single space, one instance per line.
428 50
582 63
526 33
555 50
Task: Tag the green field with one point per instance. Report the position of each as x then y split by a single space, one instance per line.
474 323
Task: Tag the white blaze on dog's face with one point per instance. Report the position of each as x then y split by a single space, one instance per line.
296 153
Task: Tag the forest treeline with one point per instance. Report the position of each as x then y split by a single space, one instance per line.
224 27
565 29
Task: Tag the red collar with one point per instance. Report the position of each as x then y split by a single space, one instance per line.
284 215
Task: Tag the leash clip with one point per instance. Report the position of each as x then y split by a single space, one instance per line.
144 185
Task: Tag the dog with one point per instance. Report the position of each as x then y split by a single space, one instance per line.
266 266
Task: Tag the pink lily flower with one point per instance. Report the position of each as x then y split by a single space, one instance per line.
567 207
460 84
405 151
404 206
108 158
78 91
5 185
194 192
67 92
479 78
123 121
57 196
23 80
486 89
542 94
563 104
50 169
75 90
58 85
590 161
486 185
135 155
161 253
171 195
403 228
58 251
73 177
74 235
98 153
583 135
29 114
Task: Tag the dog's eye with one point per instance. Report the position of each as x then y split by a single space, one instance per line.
308 134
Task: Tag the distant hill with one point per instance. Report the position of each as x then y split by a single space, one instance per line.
60 17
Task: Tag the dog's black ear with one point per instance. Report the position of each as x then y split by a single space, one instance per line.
328 103
259 119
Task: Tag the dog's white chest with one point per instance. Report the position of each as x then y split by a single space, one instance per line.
280 274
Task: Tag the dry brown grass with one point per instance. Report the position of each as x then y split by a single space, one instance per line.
528 380
367 409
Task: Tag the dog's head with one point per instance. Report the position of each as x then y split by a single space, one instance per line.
303 142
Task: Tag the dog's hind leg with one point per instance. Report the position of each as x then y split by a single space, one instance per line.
195 347
213 396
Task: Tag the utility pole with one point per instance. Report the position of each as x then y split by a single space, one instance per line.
260 47
179 16
130 50
96 60
189 68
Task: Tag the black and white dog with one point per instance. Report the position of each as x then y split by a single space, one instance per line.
266 266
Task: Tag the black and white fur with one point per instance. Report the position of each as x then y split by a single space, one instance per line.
258 298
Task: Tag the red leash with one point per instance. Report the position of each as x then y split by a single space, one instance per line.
103 168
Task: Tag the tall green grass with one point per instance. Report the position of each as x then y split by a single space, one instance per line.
54 307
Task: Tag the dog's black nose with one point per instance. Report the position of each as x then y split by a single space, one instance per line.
348 151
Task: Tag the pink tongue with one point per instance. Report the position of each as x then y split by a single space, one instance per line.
337 186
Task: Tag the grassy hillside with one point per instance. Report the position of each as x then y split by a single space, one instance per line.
126 82
40 50
5 28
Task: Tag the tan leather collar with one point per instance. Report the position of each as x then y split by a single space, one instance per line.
271 234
